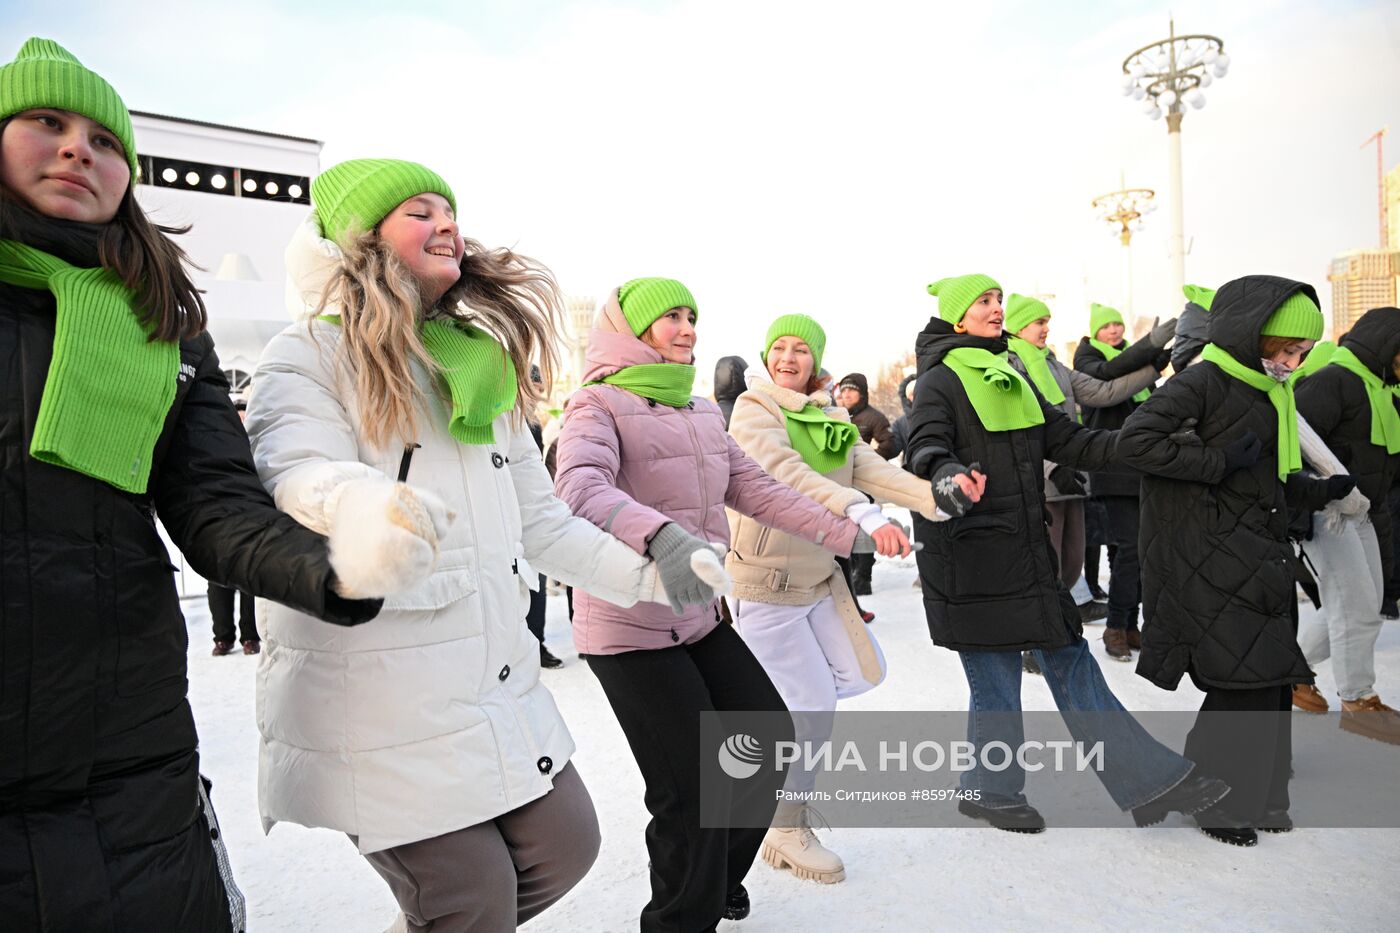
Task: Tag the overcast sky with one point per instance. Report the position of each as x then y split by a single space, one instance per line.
825 158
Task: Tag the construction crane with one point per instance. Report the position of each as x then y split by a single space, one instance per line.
1378 137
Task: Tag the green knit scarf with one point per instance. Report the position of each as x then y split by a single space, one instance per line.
1385 421
667 383
1111 352
823 442
109 386
1319 356
1002 399
1034 359
480 376
1290 459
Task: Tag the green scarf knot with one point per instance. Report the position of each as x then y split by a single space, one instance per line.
823 442
480 376
1290 459
1385 420
667 383
1033 358
1002 399
109 386
1108 354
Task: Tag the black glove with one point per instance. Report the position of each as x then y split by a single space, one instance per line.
946 493
1186 436
1162 360
1242 452
1067 481
1339 486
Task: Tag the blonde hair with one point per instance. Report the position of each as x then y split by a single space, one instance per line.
512 297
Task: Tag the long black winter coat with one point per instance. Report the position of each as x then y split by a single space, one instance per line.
991 579
1334 402
99 827
1217 584
1118 480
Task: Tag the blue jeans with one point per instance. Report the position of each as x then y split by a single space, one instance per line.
1138 768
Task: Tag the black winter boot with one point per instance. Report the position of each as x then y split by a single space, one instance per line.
1193 794
737 906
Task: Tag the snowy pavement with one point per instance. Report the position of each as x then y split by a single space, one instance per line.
897 880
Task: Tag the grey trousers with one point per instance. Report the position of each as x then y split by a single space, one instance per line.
1067 538
496 875
1346 628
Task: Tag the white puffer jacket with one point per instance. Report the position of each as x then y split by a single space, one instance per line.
430 717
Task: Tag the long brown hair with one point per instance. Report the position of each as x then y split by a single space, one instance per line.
143 256
512 297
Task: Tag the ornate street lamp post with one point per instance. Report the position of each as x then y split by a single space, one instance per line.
1166 75
1124 211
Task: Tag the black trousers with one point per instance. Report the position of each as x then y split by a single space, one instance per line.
221 608
534 619
1125 576
658 697
862 568
1252 752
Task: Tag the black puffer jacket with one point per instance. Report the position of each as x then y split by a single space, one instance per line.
1334 402
1119 480
991 580
729 383
870 421
98 758
1217 584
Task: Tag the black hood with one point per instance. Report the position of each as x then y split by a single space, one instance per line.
1375 339
938 337
729 378
904 402
1192 333
1241 308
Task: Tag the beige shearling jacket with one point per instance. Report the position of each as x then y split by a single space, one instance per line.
772 567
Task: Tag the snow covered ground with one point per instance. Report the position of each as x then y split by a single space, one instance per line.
898 880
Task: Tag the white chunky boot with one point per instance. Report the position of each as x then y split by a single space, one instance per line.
792 844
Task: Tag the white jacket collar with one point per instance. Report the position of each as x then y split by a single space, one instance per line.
757 379
311 260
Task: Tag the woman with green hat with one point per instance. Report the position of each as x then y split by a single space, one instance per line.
1106 355
1218 447
792 606
991 585
1027 326
115 413
391 418
644 458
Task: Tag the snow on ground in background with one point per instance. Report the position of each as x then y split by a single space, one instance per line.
897 880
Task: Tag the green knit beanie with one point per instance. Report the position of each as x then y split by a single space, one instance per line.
645 300
1297 317
353 197
956 294
1199 295
801 327
1020 311
1099 315
45 74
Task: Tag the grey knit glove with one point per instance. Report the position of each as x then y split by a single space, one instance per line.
671 548
1162 334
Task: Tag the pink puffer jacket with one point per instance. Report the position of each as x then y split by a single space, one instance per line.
630 465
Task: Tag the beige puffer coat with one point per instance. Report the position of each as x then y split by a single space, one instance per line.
769 566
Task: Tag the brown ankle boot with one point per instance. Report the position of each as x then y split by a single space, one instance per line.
1115 642
1307 698
1134 637
1371 718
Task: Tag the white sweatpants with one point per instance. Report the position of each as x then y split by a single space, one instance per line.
808 656
1346 628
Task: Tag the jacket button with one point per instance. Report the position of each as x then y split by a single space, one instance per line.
505 672
545 764
497 461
